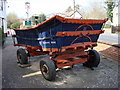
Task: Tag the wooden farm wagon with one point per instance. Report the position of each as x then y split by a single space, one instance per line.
66 41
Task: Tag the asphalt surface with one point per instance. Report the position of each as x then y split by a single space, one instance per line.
104 76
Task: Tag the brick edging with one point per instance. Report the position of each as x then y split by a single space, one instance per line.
111 44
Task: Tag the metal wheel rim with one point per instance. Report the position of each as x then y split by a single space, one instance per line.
19 58
45 70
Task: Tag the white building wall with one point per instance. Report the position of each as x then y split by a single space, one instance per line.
3 15
119 15
116 15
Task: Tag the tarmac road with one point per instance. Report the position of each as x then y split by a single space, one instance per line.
104 76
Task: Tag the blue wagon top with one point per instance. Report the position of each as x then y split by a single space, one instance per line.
58 18
58 31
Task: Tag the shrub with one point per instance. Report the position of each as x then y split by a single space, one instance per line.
15 25
25 26
1 35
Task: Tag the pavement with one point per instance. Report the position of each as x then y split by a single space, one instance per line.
104 76
109 38
108 51
109 44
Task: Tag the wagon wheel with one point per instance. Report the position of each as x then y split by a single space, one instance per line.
22 56
93 59
48 69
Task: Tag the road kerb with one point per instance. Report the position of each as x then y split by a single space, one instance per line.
108 43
